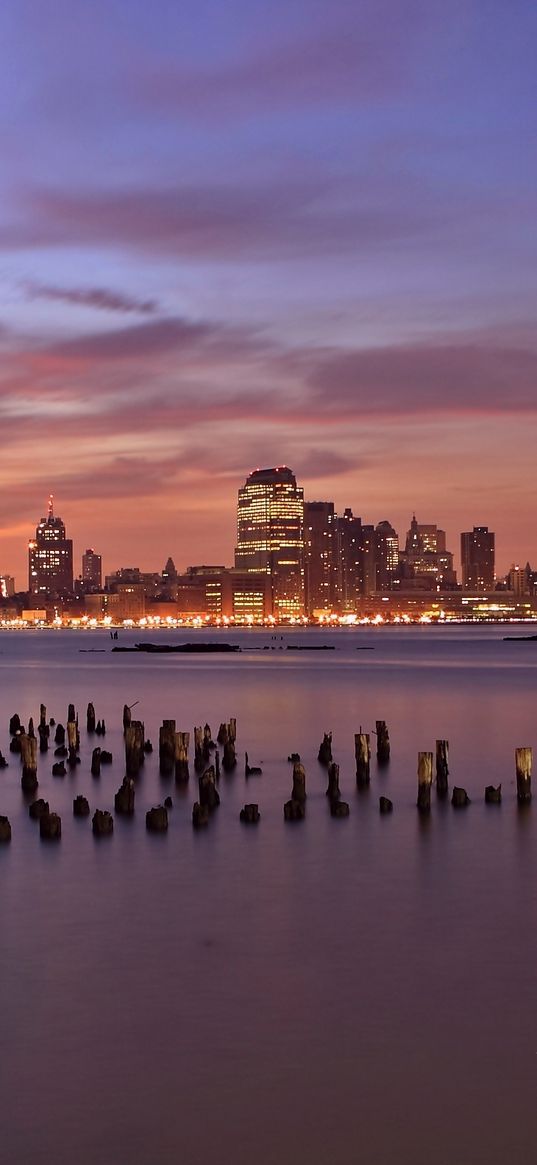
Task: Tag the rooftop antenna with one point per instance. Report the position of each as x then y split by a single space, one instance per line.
50 505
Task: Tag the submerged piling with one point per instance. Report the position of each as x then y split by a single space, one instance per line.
442 768
362 753
523 762
383 742
425 780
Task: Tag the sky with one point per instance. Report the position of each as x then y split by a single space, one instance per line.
249 234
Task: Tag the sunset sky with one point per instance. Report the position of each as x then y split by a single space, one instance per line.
243 234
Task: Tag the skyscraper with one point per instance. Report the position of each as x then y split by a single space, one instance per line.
319 544
91 570
270 535
477 557
50 559
348 561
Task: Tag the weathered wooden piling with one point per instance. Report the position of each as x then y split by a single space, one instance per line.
250 814
102 823
81 806
96 762
156 819
59 769
134 748
217 764
166 748
383 742
15 743
182 741
14 724
293 756
124 798
199 752
298 792
59 735
459 798
5 829
71 713
425 780
200 815
72 743
50 827
38 808
168 803
208 793
493 796
43 729
385 805
362 753
31 730
228 738
339 808
90 718
222 734
523 762
294 810
325 750
208 743
106 757
442 767
333 791
29 763
127 717
251 770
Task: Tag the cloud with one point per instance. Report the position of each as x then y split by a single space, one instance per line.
460 377
92 297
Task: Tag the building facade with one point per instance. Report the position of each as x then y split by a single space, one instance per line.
477 558
319 545
50 559
270 536
92 571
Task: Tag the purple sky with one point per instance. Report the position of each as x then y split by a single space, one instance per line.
248 234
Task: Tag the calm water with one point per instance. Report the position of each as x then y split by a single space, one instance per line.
328 992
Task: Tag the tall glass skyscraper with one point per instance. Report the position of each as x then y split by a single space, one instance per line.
50 559
270 536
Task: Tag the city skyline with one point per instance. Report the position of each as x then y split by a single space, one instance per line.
250 507
300 235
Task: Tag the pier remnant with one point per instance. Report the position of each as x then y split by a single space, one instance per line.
425 780
493 796
15 725
324 755
385 805
523 762
134 748
166 748
50 827
96 757
90 718
200 815
362 753
38 808
442 767
333 790
59 769
182 741
124 798
459 798
208 793
383 742
102 823
5 829
156 819
29 763
250 814
251 770
81 806
43 729
299 782
127 717
294 810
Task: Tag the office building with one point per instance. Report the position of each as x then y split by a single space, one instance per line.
270 536
91 571
50 559
477 558
319 545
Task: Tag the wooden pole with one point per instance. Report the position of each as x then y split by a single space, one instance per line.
442 768
523 762
425 780
362 752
